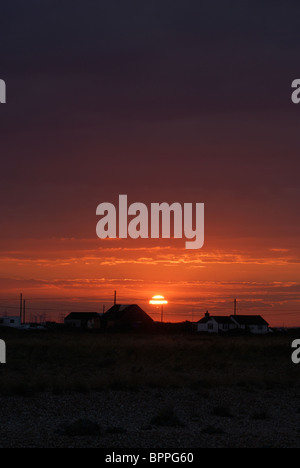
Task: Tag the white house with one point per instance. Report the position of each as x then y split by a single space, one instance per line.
214 324
10 321
221 324
253 323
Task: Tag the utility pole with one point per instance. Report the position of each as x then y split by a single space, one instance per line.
24 311
234 302
21 308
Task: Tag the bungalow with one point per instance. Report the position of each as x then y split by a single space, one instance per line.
254 324
83 320
214 324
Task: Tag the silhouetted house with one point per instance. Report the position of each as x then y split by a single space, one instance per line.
125 316
215 324
84 320
254 324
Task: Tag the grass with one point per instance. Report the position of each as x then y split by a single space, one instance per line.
61 361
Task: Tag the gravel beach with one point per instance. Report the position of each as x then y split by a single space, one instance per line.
154 418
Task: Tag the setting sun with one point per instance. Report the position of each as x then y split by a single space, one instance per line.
158 300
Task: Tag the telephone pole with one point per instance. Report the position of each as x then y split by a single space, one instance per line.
24 311
21 308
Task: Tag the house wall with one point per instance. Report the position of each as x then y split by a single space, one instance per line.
211 326
255 329
14 322
93 323
226 326
259 329
73 323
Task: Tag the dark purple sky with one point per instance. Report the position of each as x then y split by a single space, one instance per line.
161 100
182 98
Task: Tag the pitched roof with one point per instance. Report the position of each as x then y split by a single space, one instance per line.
126 312
82 315
222 319
217 318
240 319
249 319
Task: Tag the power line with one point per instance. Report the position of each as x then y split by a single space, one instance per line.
275 312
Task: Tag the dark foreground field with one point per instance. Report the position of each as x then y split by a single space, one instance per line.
63 389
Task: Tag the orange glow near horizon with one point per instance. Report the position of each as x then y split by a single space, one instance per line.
61 275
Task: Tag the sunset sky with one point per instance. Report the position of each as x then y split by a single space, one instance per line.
162 101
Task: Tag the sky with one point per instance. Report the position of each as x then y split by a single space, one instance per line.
164 101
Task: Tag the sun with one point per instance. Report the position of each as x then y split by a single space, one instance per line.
158 299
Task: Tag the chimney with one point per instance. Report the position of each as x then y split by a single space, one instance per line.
207 314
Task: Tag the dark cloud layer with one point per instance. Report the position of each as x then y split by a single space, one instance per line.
164 100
